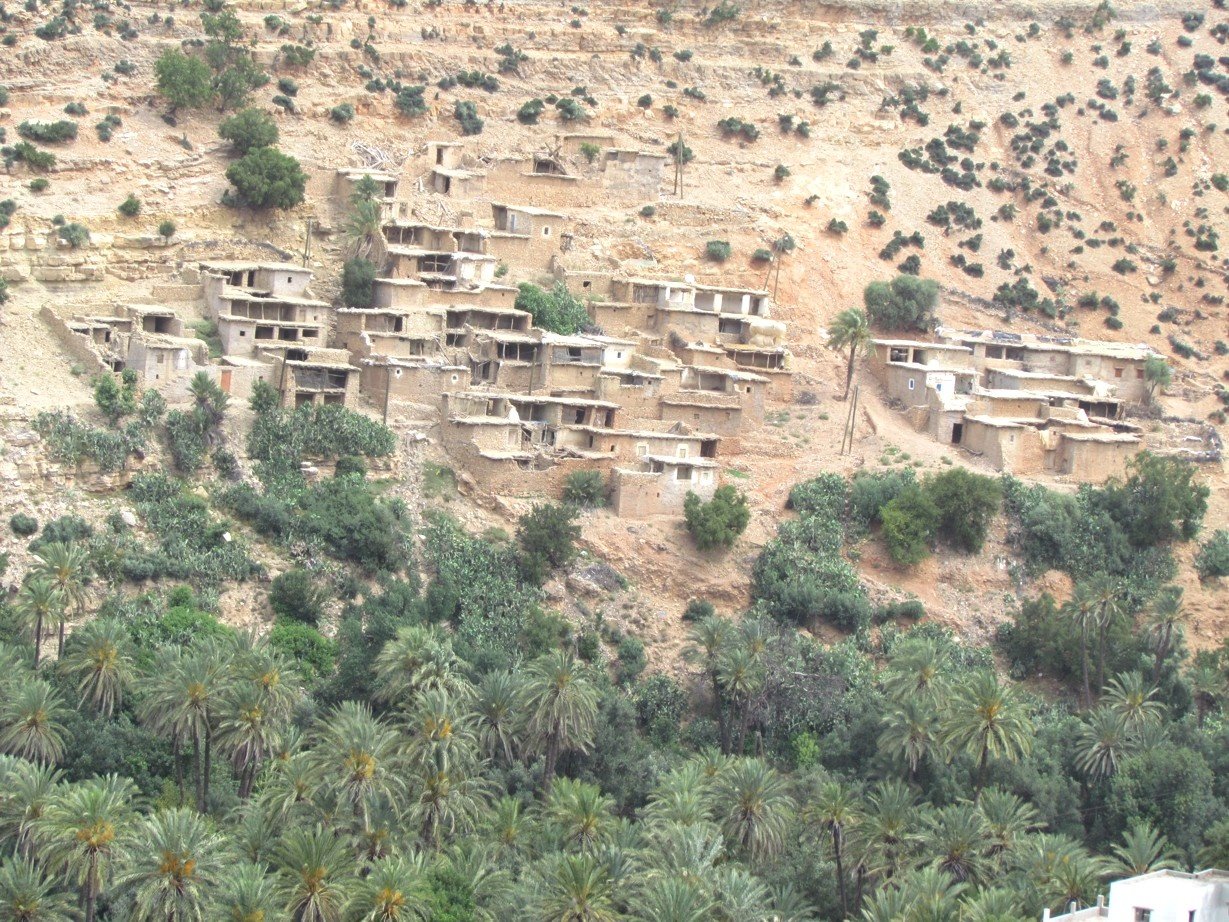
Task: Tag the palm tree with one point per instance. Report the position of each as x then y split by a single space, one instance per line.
29 895
209 404
316 874
419 658
985 719
357 759
884 836
1162 626
931 894
576 889
672 899
836 810
1207 685
958 839
561 708
581 812
755 806
740 894
1128 695
918 669
1082 608
911 732
98 657
850 330
79 833
38 602
28 788
185 694
1143 850
67 567
495 708
707 643
1105 740
682 797
30 722
245 733
1008 819
364 228
392 891
175 862
1110 604
247 894
741 676
993 904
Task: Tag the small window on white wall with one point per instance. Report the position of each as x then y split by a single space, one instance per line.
641 450
682 451
912 384
546 232
398 372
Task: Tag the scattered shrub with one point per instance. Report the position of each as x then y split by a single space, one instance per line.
1212 560
295 595
343 114
23 525
718 522
130 207
247 130
267 178
717 250
585 489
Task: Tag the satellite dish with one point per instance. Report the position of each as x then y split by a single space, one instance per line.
689 279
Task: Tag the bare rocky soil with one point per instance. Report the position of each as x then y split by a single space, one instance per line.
618 52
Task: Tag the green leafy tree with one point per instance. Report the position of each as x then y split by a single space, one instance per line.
1157 374
295 595
905 303
267 178
850 330
184 81
547 536
719 521
966 502
555 310
357 282
909 525
247 130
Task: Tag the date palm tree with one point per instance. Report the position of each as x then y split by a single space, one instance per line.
27 894
754 804
560 704
1142 851
316 875
417 659
885 835
576 888
392 891
849 330
1130 695
38 603
836 809
918 669
958 841
80 833
31 722
173 869
993 904
67 567
672 899
985 719
581 813
741 676
910 732
247 894
1082 609
1105 740
1163 623
707 642
682 797
495 707
99 659
28 787
1008 819
1110 605
245 733
357 760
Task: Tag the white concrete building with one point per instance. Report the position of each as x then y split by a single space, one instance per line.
1162 896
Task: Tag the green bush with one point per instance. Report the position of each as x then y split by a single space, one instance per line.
529 113
23 525
74 234
586 489
698 610
166 228
1211 561
267 178
466 113
870 492
555 310
345 515
358 277
39 185
661 705
965 503
905 303
32 157
825 495
343 114
909 524
314 653
546 536
185 82
295 595
631 659
911 609
48 132
718 522
717 250
248 130
130 207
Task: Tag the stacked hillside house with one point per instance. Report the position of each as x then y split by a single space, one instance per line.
1159 896
1027 404
665 373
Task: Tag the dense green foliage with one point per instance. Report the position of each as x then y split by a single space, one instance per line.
267 178
247 130
555 310
719 521
358 277
905 303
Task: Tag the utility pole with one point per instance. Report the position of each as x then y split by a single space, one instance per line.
850 422
307 242
388 386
